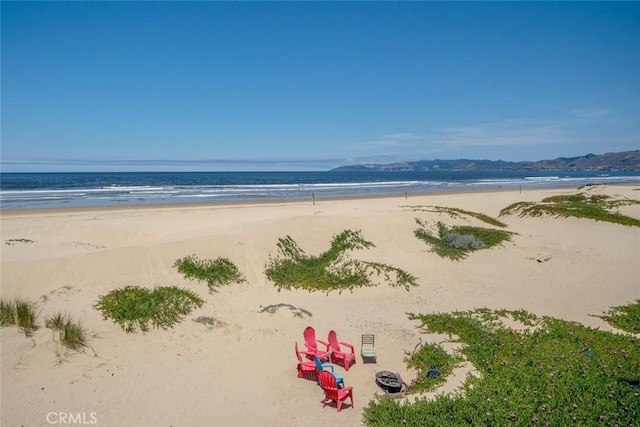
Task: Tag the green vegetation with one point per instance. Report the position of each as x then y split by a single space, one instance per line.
430 356
133 307
596 207
7 313
554 373
455 213
332 269
625 318
218 272
20 313
297 312
69 332
456 242
12 242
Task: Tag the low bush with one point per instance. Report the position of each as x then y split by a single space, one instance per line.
134 307
218 272
330 270
456 242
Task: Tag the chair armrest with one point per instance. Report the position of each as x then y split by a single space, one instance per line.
307 353
346 344
329 366
324 343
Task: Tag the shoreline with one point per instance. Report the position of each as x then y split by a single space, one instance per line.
124 190
9 212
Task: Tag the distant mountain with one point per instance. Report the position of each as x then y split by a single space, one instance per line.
627 160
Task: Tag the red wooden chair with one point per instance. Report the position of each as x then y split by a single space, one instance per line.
311 343
338 355
332 392
305 368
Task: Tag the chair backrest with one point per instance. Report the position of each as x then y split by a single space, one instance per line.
298 353
318 364
333 341
368 340
310 339
329 384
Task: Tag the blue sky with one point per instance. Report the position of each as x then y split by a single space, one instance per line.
109 86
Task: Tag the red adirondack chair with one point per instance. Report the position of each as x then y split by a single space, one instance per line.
332 392
312 345
305 368
338 355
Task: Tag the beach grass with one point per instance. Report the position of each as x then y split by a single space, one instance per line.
21 313
7 313
70 333
595 207
458 241
554 373
134 307
218 272
333 269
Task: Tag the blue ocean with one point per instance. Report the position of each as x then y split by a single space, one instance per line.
55 190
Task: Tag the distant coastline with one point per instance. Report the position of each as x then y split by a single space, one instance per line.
621 161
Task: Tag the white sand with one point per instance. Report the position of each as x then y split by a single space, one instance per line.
242 371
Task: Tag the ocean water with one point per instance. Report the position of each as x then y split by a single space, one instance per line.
54 190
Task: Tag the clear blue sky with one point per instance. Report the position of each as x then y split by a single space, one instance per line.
101 86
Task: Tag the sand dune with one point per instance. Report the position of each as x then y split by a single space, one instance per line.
241 370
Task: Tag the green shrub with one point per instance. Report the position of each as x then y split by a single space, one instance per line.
332 269
214 273
69 332
456 242
134 307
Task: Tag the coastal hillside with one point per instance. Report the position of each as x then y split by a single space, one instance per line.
626 161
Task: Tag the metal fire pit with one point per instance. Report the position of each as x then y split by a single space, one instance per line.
390 382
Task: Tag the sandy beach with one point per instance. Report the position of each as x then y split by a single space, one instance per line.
241 371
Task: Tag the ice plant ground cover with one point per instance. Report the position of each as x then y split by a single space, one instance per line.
217 272
333 269
599 207
554 372
134 307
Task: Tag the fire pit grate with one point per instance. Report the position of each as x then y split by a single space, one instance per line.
390 382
